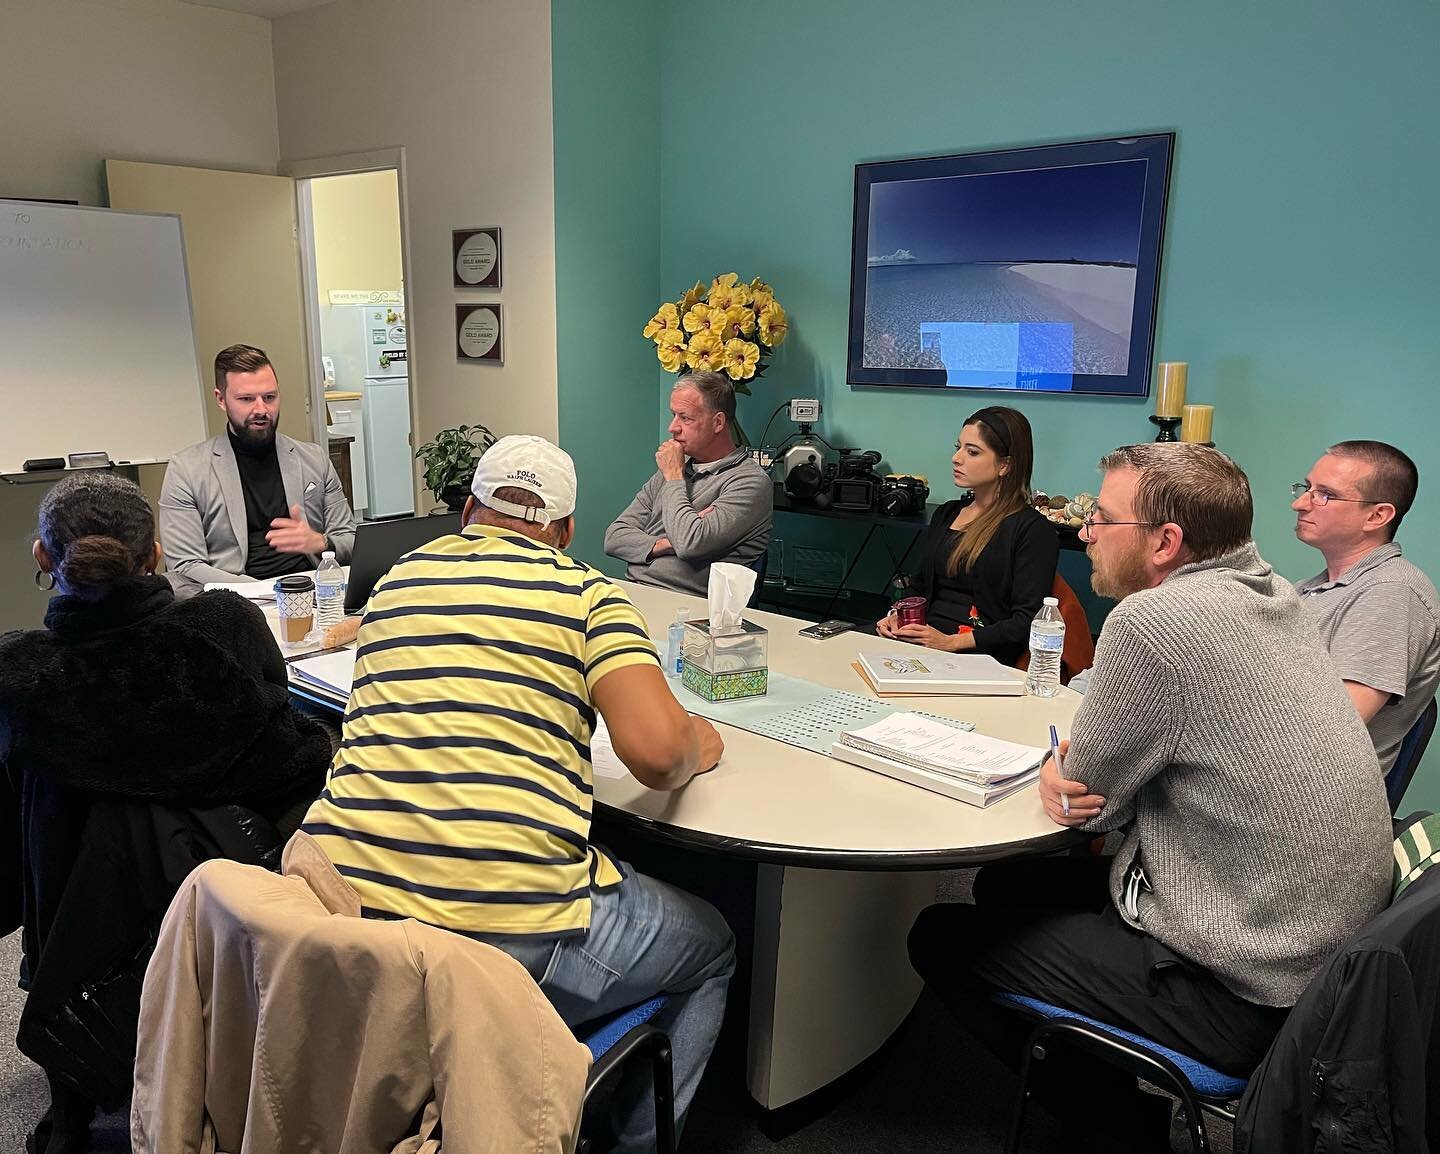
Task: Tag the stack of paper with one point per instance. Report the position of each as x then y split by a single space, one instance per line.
259 590
331 673
969 767
603 759
927 671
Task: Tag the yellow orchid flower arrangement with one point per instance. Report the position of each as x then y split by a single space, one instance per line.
730 327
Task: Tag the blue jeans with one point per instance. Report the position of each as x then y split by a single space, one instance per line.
645 938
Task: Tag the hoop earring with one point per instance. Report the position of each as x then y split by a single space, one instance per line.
40 575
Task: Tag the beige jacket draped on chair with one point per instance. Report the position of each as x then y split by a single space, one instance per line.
275 1020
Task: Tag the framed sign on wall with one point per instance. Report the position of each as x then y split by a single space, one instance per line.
476 253
477 333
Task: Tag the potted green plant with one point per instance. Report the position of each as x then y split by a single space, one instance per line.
449 462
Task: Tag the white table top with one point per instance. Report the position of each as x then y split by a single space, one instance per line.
776 802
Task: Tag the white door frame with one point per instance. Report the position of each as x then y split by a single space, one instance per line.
347 164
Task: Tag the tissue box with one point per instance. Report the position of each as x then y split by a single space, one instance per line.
731 662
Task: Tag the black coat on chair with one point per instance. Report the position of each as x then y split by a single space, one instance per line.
140 736
1359 1055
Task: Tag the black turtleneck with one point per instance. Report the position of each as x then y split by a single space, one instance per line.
264 501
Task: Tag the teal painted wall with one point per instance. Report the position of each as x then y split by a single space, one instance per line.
607 251
1301 250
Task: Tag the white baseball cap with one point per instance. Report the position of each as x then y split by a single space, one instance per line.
530 463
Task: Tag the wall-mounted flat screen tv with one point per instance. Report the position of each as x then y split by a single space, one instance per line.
1029 269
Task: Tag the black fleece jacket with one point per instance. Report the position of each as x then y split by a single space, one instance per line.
144 697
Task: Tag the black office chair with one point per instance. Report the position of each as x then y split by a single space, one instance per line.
760 564
1407 761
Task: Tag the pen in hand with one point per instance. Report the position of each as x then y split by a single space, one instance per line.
1059 767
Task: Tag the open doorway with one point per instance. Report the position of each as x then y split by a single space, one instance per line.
352 241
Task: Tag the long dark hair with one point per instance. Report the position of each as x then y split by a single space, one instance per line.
98 529
1006 433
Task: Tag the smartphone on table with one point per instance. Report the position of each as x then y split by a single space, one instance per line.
826 629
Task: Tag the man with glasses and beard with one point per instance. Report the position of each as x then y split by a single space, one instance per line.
1378 614
252 502
1217 741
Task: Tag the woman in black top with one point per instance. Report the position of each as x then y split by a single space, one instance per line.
989 558
140 735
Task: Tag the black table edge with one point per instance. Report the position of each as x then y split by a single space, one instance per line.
870 861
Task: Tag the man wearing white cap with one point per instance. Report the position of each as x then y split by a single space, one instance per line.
461 793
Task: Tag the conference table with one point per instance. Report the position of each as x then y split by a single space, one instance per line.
844 858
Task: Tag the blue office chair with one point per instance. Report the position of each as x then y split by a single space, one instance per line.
1407 761
613 1042
1200 1088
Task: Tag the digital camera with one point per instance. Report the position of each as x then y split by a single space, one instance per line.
903 494
855 484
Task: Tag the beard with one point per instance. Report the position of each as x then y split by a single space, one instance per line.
253 435
1120 575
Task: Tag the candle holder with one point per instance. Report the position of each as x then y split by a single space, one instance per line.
1169 427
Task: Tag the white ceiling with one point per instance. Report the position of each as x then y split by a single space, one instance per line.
267 8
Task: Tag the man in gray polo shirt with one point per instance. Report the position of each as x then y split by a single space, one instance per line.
1376 612
708 500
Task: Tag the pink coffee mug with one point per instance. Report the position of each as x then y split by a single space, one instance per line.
910 611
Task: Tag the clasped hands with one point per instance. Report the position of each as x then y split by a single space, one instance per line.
927 635
293 534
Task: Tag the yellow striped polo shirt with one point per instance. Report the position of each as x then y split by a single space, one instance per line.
461 791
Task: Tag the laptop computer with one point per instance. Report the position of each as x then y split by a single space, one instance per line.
379 544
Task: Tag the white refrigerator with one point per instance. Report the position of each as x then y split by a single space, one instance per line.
367 344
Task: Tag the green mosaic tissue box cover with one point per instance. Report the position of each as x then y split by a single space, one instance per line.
724 686
727 665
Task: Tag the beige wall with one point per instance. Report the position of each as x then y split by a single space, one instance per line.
465 90
84 80
357 232
244 263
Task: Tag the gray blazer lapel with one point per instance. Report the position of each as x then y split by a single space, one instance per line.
290 473
227 472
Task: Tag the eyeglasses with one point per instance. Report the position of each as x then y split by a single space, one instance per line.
1089 524
1321 497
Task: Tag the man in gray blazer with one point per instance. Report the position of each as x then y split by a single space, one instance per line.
245 504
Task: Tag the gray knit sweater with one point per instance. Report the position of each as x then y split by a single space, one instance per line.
738 495
1244 781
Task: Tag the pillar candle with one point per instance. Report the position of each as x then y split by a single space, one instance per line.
1170 388
1196 423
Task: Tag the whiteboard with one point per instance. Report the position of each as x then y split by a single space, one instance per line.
97 344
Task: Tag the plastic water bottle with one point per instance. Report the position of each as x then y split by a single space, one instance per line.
329 592
675 643
1047 639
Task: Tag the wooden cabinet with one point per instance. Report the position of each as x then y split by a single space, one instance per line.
340 458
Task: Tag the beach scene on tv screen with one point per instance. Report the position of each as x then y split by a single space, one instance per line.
1017 280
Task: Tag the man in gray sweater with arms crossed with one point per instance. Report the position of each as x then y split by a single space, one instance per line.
1217 738
708 501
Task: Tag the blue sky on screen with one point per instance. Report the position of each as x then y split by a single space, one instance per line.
1082 212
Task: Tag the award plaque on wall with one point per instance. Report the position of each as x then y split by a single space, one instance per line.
477 257
477 334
